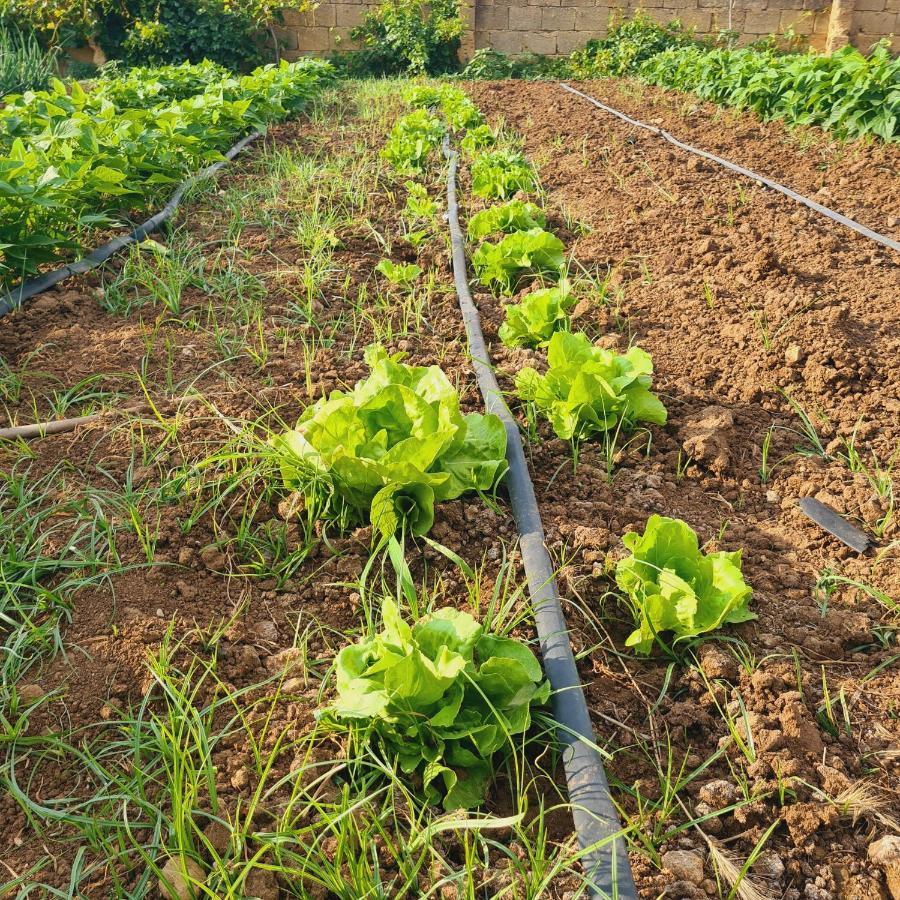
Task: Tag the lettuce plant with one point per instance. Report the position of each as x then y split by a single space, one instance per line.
412 139
589 390
499 174
502 264
441 696
398 273
672 586
478 138
533 320
514 215
391 448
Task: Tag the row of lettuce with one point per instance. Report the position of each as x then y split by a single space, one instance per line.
848 92
439 694
73 161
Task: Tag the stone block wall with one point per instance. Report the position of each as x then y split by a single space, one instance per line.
557 27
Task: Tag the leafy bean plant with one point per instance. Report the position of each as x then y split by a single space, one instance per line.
106 156
672 586
442 696
391 448
849 93
589 390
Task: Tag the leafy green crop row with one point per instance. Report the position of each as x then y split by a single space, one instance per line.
847 92
441 696
587 391
72 159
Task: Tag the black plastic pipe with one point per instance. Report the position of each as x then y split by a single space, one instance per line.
605 860
28 289
740 170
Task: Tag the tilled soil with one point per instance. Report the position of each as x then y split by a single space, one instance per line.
742 297
736 292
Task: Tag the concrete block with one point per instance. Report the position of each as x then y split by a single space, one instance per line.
543 42
875 23
764 22
287 39
313 39
524 18
506 41
491 18
349 15
802 23
340 39
698 19
568 41
555 18
593 19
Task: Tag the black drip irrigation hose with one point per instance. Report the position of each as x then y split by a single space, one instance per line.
28 289
740 170
605 860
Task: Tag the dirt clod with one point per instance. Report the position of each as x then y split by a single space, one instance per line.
685 865
180 878
708 436
885 852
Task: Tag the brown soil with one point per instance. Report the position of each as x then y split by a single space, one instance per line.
702 265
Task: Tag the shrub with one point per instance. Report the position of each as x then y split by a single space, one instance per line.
672 586
155 32
627 45
411 36
441 697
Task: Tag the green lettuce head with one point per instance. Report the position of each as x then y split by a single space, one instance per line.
588 390
392 447
674 587
440 696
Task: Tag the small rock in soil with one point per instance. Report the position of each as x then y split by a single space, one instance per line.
885 852
708 436
219 837
266 631
285 661
291 506
685 865
718 794
716 663
794 355
768 865
178 886
213 558
30 693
